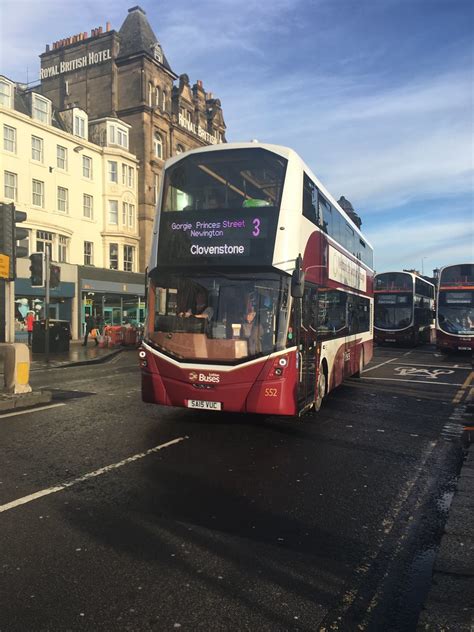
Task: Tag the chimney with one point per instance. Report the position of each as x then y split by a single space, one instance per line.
107 27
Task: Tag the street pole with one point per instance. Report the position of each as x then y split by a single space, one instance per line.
3 311
46 307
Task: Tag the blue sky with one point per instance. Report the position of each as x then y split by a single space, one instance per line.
375 95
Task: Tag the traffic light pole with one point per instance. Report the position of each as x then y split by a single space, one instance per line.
46 307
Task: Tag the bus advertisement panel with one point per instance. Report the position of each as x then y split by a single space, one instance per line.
404 308
228 325
455 308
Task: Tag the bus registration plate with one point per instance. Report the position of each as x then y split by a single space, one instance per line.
199 403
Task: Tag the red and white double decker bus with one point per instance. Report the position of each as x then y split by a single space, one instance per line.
403 308
455 308
229 326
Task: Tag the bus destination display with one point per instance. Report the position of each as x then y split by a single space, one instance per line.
244 237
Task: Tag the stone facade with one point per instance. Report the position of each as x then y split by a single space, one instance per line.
125 74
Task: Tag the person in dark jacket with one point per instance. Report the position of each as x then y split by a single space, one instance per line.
90 325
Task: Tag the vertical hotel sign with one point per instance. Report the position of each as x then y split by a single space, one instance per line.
345 271
91 59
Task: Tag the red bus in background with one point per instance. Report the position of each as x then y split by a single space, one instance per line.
455 308
260 287
403 308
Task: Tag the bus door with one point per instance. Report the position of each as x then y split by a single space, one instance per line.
351 357
307 348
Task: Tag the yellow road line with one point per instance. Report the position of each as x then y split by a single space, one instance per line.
464 389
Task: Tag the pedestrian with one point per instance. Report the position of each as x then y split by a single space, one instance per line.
90 327
30 319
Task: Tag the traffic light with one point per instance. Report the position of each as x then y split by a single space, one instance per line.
54 276
6 229
19 233
37 269
10 233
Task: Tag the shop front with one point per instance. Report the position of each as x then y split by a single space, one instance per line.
113 297
32 299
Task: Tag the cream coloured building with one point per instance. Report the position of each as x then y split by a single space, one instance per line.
77 181
80 196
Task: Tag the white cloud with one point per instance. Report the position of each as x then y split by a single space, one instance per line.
380 147
424 242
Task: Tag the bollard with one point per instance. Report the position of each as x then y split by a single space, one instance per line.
16 367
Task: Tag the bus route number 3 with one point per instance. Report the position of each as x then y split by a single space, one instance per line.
271 392
256 227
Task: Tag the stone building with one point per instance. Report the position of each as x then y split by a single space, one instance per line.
125 74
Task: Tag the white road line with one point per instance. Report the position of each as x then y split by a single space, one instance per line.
31 410
395 379
377 365
81 479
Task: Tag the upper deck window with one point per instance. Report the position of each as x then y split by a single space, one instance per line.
225 180
396 281
458 275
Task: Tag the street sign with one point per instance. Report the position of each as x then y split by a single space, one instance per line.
4 267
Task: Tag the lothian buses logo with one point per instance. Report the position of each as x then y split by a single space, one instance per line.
204 377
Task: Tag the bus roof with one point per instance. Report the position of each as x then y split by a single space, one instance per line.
412 274
281 150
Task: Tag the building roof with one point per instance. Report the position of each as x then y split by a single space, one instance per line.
136 36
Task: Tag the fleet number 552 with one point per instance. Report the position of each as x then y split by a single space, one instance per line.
271 392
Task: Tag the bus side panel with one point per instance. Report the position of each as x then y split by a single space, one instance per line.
368 346
343 360
153 389
275 396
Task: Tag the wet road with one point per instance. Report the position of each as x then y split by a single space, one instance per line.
118 515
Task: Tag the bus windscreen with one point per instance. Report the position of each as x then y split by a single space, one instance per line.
393 311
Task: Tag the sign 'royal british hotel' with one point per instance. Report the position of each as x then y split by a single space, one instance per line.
124 74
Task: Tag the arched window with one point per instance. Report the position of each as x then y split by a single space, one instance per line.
150 95
158 145
163 100
157 96
180 149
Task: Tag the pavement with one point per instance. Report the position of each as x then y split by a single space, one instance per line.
78 355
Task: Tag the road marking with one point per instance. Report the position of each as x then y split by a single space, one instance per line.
437 366
396 379
432 374
85 477
464 389
31 410
378 365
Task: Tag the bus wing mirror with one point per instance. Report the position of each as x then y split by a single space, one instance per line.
297 279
